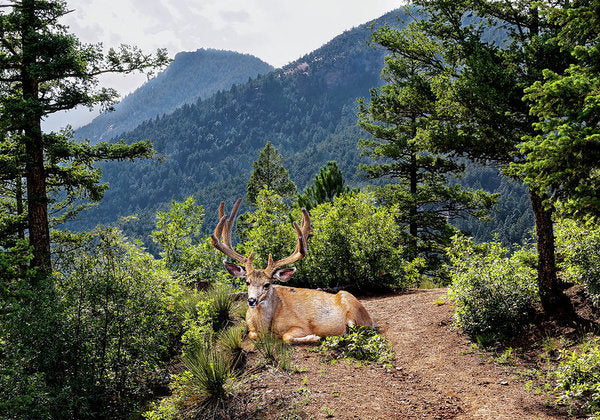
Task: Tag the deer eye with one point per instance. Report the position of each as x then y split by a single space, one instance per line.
266 286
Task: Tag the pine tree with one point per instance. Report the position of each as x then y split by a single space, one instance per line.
563 157
481 113
328 184
395 116
268 172
44 69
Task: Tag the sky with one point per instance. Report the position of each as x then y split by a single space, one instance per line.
276 31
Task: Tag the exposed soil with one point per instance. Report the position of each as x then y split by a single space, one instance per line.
436 375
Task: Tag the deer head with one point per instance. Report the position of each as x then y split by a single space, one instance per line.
258 280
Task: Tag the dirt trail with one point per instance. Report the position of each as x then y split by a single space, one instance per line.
437 375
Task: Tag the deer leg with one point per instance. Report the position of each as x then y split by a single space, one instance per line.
298 335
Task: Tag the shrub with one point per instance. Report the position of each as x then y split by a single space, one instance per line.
116 328
579 245
578 377
493 294
354 243
190 256
361 343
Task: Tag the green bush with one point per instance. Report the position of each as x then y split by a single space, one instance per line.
361 343
116 328
578 377
578 243
354 243
185 251
493 294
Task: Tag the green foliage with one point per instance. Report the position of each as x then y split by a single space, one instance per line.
355 245
185 250
578 377
328 183
360 343
270 230
115 324
578 243
268 173
274 350
493 294
563 155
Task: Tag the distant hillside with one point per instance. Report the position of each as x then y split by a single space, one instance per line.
190 76
306 109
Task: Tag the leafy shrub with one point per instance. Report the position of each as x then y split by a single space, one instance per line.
361 343
579 245
269 230
354 243
185 251
578 377
116 328
493 294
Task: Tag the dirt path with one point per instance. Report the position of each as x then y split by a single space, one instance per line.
437 375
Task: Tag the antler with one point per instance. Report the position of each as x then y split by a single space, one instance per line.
303 234
223 230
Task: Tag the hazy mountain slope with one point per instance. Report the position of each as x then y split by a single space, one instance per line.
190 76
306 109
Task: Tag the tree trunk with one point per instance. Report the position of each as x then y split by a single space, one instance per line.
37 200
552 298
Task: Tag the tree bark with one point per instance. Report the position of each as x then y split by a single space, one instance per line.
552 298
37 200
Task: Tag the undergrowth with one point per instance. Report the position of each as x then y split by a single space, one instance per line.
361 343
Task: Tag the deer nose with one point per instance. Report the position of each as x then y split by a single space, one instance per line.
252 302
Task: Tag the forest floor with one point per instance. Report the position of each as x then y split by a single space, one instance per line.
437 374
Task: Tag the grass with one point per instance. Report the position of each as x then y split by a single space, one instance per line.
274 351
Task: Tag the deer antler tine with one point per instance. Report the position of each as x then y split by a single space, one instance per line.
221 238
235 209
302 233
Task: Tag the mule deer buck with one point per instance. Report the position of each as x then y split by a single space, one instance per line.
296 315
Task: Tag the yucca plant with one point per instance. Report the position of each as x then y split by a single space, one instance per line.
210 369
230 340
223 306
274 351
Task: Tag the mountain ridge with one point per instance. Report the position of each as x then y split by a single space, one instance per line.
191 75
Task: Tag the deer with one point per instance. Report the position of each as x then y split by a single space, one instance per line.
296 315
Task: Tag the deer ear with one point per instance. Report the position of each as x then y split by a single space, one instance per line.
234 269
284 274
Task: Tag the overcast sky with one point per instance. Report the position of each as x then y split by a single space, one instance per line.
276 31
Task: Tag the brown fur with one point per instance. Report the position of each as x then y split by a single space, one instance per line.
294 313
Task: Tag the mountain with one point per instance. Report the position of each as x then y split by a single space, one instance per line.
190 76
307 110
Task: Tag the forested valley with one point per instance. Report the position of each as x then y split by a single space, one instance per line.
446 145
